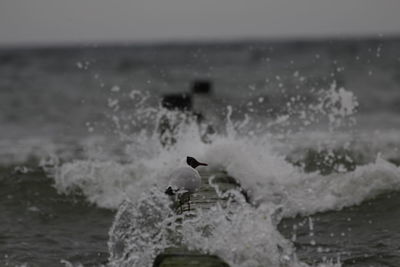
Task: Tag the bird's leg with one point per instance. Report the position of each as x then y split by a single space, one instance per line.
182 199
189 202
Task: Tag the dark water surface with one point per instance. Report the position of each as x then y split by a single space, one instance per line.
363 235
41 227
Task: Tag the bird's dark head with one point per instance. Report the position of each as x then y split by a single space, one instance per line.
192 162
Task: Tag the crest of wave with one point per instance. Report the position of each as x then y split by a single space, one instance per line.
251 159
269 178
245 235
145 225
107 180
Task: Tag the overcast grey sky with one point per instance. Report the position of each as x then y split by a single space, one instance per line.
59 21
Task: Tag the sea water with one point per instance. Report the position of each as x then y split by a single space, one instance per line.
309 129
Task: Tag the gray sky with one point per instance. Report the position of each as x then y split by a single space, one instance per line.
59 21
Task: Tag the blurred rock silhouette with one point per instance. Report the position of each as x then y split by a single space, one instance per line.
185 108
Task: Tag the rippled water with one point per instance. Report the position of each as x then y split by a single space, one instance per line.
310 131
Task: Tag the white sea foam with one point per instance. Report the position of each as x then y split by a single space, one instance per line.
142 229
270 178
273 183
242 234
253 161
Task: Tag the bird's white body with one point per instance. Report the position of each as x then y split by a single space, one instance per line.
185 179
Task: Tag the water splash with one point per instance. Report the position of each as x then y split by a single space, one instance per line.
134 182
143 230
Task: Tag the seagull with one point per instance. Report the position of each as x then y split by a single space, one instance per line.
184 181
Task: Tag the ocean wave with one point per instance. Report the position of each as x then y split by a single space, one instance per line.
275 186
131 177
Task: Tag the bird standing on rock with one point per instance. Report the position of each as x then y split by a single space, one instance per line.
185 180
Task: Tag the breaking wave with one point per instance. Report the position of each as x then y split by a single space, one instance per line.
270 160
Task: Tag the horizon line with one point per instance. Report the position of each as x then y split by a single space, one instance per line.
194 41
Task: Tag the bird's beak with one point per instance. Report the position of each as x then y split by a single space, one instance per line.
203 164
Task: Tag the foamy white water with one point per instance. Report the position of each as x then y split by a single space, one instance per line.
242 234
